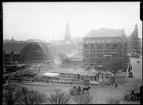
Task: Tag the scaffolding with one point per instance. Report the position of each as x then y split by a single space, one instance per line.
102 53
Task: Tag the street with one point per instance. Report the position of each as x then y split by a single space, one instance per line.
100 93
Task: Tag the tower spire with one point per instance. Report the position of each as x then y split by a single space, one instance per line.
67 33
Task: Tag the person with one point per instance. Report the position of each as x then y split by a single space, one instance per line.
116 85
79 88
131 67
132 91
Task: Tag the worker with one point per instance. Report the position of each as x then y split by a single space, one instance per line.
79 88
115 85
132 91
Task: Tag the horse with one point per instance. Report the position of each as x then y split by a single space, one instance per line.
137 95
86 88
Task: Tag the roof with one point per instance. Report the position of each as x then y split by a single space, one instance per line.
18 47
43 46
51 74
105 33
73 71
14 46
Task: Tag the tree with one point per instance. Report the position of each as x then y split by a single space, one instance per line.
58 97
10 96
113 101
85 98
31 97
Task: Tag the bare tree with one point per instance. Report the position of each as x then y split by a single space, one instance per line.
58 97
85 98
113 101
31 97
10 96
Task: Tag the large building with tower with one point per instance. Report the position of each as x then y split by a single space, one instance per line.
105 48
134 44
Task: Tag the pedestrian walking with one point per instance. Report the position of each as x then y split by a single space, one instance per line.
132 91
116 85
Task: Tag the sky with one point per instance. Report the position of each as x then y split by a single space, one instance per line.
45 20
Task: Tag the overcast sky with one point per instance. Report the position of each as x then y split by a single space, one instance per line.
44 20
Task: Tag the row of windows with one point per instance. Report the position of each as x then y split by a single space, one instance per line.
8 52
98 41
101 55
114 46
38 51
106 51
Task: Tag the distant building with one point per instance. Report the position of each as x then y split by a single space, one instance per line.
25 52
105 47
56 42
134 41
67 38
34 51
141 45
11 51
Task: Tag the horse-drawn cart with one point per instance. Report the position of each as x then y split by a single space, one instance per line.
77 90
131 95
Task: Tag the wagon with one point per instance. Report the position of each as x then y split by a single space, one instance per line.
75 91
131 96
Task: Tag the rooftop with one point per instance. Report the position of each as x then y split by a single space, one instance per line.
14 46
103 32
18 47
73 71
